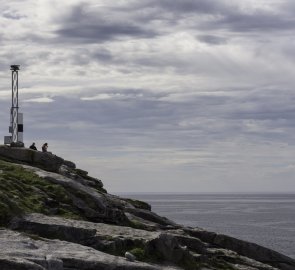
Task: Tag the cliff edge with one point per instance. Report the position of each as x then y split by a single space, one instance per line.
55 216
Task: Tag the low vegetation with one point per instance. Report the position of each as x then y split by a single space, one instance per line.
22 191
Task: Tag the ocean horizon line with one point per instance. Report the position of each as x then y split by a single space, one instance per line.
205 193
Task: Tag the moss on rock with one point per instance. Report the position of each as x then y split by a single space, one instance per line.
22 191
138 204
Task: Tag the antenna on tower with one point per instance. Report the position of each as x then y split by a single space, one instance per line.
16 118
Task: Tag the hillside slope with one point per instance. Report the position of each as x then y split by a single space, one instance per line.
55 216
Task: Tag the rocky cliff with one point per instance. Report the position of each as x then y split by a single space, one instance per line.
54 216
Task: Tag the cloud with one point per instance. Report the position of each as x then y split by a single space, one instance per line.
127 94
191 6
232 16
91 26
40 100
156 90
211 39
257 22
102 31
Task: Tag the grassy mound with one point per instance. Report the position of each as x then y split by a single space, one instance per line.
22 191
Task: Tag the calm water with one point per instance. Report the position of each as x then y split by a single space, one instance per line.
266 219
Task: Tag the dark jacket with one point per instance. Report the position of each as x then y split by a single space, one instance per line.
33 147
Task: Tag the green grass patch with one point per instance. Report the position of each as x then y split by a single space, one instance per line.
139 253
138 225
22 191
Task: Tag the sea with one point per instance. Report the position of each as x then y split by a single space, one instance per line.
265 219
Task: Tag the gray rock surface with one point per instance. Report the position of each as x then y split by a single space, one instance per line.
22 252
78 230
94 229
150 216
244 248
174 246
47 161
105 209
130 257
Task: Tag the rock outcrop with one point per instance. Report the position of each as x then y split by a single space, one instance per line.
57 217
19 251
46 161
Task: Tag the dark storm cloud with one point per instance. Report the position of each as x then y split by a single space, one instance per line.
93 27
103 31
84 23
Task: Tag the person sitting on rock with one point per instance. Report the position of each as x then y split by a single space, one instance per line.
33 147
44 147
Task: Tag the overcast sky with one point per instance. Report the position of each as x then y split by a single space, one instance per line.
157 95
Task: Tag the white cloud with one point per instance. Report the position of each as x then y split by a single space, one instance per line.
98 97
40 100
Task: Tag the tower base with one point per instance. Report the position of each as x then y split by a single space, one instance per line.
17 144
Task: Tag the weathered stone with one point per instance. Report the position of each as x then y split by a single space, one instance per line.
54 263
81 176
130 257
35 224
47 161
236 259
138 204
150 216
69 164
22 252
191 243
142 223
167 247
14 263
98 235
245 248
103 208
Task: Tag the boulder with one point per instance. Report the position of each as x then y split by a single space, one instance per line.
192 243
167 248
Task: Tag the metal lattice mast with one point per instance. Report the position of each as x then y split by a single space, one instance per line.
14 105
